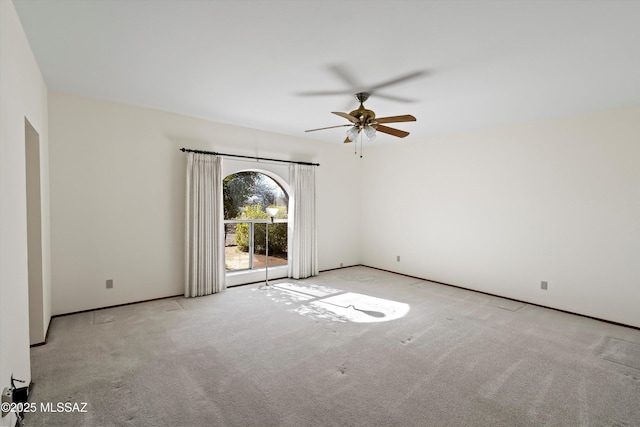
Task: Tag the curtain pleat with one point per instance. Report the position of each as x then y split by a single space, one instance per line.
303 248
205 269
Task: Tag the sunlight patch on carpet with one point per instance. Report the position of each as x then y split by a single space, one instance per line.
361 308
322 302
309 291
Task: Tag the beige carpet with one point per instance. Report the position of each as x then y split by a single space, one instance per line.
351 347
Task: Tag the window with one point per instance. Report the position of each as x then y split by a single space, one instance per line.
246 197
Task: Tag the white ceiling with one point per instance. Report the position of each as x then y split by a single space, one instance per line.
484 63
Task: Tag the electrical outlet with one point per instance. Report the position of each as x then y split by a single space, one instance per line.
398 258
109 283
543 285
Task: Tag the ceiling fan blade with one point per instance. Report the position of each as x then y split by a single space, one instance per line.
396 119
394 98
346 116
344 75
397 80
324 92
391 131
328 127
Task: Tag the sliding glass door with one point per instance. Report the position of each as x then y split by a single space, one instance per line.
247 195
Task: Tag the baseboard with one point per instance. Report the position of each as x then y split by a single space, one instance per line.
46 338
340 268
108 306
358 265
511 299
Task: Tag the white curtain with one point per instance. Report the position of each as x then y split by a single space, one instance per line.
205 269
303 249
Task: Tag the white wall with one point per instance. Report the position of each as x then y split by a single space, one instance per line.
496 211
502 210
118 194
23 94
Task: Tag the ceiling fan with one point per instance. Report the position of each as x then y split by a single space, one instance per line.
364 120
354 85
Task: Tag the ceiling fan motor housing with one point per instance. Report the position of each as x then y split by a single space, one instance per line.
363 115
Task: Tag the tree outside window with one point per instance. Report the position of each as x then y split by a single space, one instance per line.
246 197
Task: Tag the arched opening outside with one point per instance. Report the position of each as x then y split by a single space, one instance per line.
247 195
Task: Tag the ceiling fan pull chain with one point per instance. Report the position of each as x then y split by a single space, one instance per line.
355 146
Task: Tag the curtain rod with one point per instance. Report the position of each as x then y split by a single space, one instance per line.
188 150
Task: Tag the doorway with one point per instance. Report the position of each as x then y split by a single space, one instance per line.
34 234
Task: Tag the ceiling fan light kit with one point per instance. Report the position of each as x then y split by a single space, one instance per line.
363 119
370 131
352 133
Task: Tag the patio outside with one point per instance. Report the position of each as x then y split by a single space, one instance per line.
238 260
